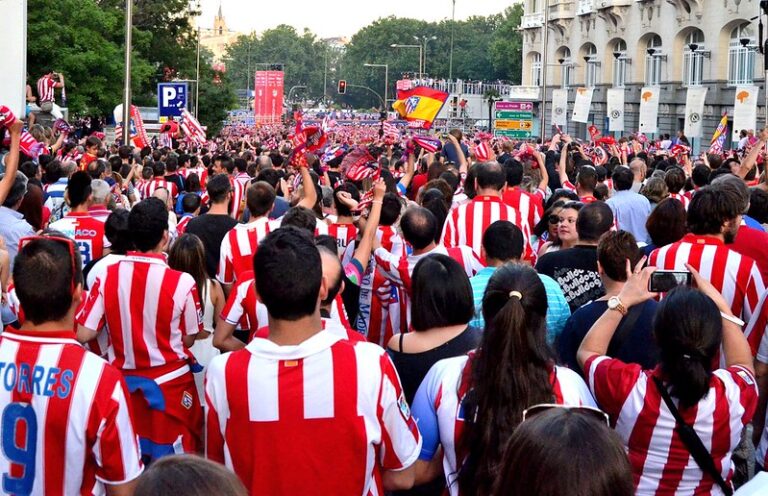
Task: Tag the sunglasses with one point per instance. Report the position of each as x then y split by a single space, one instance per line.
66 242
589 411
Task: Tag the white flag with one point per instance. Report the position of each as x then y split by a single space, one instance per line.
744 109
582 104
694 111
649 109
559 107
615 103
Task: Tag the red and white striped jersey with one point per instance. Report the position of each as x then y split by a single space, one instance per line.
467 223
321 227
439 411
45 89
265 402
400 269
239 247
661 463
344 234
86 231
147 308
682 198
240 184
67 426
181 227
735 276
146 188
530 206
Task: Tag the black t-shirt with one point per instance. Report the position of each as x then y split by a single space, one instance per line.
413 367
639 345
211 229
575 270
177 180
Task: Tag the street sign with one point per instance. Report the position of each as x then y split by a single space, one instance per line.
512 133
171 99
506 114
513 119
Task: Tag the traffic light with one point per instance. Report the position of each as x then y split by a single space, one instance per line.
342 86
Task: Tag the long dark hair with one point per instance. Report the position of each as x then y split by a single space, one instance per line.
509 373
689 331
187 254
563 451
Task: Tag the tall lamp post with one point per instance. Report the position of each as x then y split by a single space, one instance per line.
453 28
544 41
423 51
386 81
127 88
398 45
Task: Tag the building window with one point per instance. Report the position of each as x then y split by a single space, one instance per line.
693 59
741 56
566 67
592 66
534 6
619 64
653 61
536 69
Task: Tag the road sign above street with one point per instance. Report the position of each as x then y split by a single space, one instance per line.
519 106
512 133
521 124
506 114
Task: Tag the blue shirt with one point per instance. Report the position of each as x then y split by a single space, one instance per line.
13 227
558 310
631 210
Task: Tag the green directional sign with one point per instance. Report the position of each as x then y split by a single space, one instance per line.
507 114
509 133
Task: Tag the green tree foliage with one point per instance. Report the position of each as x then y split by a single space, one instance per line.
505 50
84 39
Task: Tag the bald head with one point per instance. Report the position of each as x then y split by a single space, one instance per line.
163 195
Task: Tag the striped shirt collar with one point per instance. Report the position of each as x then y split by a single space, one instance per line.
46 337
264 348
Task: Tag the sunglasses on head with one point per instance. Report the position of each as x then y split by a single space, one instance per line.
589 411
66 242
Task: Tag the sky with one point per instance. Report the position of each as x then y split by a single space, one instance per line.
331 18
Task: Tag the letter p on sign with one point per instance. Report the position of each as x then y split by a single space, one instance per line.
169 95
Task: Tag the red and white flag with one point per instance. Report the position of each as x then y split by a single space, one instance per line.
192 127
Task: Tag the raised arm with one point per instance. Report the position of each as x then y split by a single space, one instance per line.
310 192
363 251
11 160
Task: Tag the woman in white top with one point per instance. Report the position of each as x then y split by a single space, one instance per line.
188 255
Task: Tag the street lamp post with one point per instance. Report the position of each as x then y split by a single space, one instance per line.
423 51
386 81
544 41
398 45
127 89
453 28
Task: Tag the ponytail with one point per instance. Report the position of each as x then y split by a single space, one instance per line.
509 373
689 331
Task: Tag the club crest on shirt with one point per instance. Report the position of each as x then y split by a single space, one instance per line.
186 400
403 405
745 375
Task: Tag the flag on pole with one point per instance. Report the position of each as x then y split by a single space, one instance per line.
419 106
718 138
192 127
136 127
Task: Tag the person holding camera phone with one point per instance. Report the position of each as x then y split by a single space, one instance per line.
681 445
46 92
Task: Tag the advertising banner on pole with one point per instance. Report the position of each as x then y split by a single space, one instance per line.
744 109
581 105
13 59
649 109
615 102
268 96
559 107
694 111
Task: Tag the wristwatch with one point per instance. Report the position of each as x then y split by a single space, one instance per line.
614 303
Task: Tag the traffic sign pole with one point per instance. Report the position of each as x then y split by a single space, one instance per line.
513 119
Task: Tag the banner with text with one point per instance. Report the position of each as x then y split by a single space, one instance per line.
559 107
694 111
615 103
649 109
268 96
744 109
582 104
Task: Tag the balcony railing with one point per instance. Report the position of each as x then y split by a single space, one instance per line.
585 7
531 21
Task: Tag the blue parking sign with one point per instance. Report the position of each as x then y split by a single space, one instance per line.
171 99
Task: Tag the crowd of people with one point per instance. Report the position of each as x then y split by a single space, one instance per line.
366 311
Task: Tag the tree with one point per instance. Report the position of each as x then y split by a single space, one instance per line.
506 47
215 97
